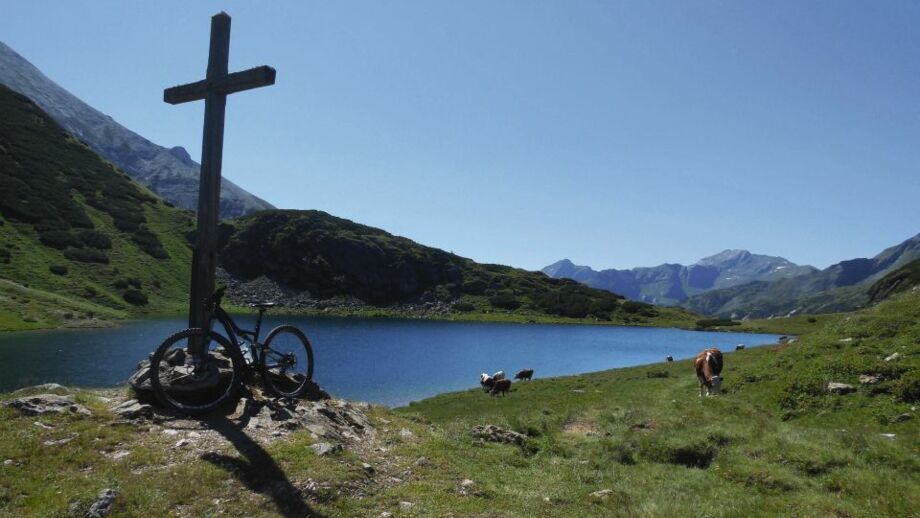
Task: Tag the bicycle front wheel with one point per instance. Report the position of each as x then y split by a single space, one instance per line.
287 361
196 383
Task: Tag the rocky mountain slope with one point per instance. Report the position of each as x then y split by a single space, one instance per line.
841 287
171 173
671 284
313 255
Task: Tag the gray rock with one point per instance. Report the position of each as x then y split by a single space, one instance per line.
103 504
325 448
405 433
133 409
840 388
601 495
869 379
893 357
367 468
45 388
492 433
41 404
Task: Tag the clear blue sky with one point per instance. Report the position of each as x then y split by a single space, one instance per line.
616 134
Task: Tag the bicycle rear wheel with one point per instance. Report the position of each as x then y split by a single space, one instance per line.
196 385
287 361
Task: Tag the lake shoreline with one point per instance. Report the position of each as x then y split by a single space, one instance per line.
390 314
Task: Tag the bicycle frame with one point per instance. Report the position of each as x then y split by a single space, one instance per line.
234 332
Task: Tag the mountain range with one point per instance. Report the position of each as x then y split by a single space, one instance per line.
844 286
171 173
673 284
739 284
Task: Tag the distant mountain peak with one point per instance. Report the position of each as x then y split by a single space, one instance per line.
725 256
182 154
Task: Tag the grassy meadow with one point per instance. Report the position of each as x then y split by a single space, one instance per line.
775 443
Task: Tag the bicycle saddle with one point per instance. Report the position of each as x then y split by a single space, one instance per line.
263 305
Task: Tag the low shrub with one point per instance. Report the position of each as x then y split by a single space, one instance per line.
504 300
463 306
58 269
95 239
60 239
135 297
907 388
716 322
86 255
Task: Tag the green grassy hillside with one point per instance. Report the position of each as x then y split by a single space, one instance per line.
79 240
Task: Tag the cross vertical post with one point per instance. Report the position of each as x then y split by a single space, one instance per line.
213 90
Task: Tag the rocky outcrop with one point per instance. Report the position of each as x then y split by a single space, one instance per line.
41 404
492 433
103 504
840 388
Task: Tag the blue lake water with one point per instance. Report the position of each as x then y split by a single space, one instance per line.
390 362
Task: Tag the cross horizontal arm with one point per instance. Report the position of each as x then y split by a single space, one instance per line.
235 82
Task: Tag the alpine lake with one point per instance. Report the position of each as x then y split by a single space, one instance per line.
383 361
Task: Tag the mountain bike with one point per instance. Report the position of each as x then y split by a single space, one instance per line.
198 370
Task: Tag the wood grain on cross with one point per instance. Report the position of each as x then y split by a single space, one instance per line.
214 90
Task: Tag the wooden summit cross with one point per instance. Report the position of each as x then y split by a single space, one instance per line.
214 90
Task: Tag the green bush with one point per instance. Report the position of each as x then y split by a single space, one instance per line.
58 269
60 239
504 300
907 388
120 284
95 239
135 297
716 322
463 306
86 255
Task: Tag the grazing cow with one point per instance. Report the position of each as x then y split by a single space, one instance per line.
526 374
739 347
486 381
500 375
708 369
670 358
502 386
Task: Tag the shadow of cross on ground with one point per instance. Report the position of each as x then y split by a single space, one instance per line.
257 470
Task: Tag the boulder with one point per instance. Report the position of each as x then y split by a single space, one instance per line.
45 388
133 409
325 448
893 357
869 379
103 504
41 404
601 495
840 388
492 433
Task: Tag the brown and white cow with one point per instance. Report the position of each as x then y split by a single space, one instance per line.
708 369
